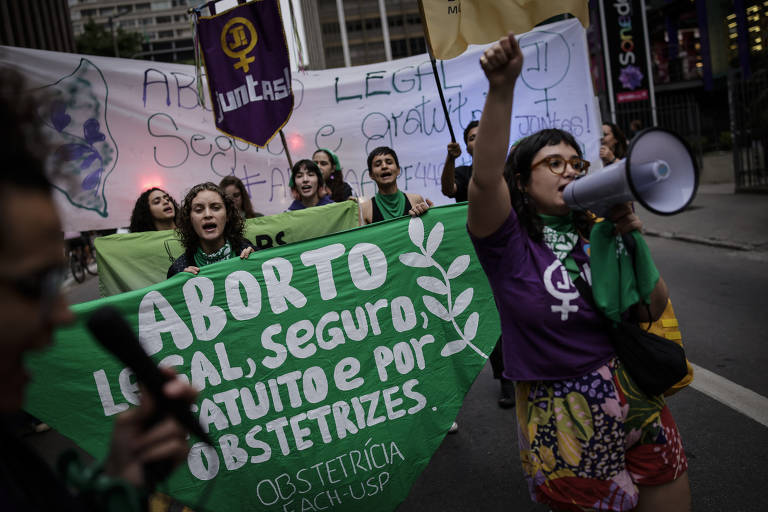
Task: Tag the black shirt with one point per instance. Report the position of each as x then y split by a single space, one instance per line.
461 176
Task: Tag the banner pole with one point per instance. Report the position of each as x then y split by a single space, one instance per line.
285 147
607 57
649 67
442 98
434 71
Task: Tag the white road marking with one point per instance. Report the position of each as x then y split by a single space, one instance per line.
737 397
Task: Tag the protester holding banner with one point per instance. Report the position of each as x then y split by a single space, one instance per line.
588 438
210 229
155 210
329 165
235 190
455 180
389 202
613 144
307 186
31 307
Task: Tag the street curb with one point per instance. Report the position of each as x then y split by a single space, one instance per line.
700 240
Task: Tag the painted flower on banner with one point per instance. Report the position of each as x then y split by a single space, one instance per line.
631 77
84 154
442 304
77 126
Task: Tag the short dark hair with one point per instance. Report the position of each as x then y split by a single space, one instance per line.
141 217
381 150
233 230
472 124
309 166
517 173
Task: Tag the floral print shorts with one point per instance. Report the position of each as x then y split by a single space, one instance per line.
588 442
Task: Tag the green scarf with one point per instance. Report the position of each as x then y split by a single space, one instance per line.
561 237
202 259
614 285
390 205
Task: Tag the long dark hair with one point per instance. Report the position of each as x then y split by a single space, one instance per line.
244 197
620 149
233 230
335 181
517 173
141 217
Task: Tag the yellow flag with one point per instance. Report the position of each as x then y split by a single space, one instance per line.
451 25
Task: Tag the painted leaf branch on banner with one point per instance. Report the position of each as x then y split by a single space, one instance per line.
328 370
452 309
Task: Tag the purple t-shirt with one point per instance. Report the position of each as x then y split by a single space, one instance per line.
549 331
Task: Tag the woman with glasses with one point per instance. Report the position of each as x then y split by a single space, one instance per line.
588 438
210 229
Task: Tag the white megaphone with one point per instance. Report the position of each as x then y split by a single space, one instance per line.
659 172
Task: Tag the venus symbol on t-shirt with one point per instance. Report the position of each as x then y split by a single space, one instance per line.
559 285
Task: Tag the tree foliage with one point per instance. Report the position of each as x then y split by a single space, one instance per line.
97 40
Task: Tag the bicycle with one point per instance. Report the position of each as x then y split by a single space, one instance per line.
80 255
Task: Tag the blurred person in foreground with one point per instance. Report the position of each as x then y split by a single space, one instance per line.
31 307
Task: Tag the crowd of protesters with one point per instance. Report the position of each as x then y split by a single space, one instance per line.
515 203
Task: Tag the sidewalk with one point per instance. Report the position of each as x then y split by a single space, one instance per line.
716 217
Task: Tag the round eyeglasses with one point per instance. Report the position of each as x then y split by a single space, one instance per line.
557 164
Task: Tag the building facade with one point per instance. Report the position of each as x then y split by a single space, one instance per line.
164 25
361 23
40 24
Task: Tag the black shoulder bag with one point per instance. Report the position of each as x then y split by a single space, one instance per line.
654 363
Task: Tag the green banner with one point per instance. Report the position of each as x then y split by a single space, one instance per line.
137 260
329 370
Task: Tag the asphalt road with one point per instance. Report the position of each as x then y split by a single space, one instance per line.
719 297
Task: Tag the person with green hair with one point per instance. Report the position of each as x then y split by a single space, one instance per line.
329 165
389 202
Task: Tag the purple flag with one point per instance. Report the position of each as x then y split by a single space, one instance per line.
248 70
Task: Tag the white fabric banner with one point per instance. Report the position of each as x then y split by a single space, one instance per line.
122 126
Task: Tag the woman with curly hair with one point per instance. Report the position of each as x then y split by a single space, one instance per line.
329 165
210 229
155 210
235 190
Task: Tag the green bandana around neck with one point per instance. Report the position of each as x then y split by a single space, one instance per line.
561 237
617 283
391 205
202 259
